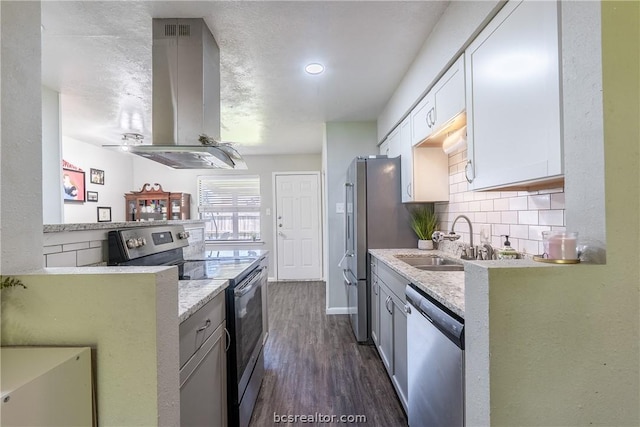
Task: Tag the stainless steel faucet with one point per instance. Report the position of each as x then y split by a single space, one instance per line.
469 253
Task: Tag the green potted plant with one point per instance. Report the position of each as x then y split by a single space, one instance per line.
424 222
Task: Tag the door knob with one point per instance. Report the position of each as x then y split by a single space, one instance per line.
279 225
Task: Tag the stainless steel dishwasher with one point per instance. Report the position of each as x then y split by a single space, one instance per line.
435 358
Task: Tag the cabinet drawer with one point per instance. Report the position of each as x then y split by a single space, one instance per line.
196 329
395 282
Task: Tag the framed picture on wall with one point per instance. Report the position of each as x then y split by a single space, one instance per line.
104 214
73 188
97 176
92 196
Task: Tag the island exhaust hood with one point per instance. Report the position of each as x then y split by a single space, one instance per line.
186 99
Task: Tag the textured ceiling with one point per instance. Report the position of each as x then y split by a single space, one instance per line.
98 56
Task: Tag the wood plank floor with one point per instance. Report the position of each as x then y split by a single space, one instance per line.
313 364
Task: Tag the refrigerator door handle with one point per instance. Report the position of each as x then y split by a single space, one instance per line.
345 256
344 276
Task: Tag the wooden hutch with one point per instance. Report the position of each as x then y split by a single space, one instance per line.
152 203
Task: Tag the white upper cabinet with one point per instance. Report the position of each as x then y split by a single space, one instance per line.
384 147
443 102
422 119
395 143
448 94
513 98
406 161
424 171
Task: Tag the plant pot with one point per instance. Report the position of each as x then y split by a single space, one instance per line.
425 244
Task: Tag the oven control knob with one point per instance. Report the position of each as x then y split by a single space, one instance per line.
132 243
141 241
183 235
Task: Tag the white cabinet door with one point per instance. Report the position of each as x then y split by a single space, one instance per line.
424 171
422 119
384 148
448 94
513 98
395 144
406 160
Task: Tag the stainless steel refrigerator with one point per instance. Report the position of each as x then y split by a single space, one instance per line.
375 218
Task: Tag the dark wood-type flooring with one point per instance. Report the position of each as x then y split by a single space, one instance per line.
313 364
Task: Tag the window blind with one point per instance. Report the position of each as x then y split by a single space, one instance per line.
238 193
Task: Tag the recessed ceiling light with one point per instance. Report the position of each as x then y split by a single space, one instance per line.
314 68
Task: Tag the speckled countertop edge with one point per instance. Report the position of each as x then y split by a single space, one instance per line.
193 294
57 228
446 287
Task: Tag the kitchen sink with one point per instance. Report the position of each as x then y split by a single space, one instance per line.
431 263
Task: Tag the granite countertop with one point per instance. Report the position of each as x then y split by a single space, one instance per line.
193 294
446 287
57 228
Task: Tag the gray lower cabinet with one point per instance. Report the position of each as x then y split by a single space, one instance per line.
375 302
203 377
388 290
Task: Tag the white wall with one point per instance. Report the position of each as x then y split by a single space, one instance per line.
118 179
21 162
146 171
344 142
51 158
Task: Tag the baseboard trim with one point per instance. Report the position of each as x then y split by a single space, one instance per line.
337 310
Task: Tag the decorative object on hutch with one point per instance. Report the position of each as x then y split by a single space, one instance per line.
153 203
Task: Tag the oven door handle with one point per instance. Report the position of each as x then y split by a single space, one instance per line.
248 284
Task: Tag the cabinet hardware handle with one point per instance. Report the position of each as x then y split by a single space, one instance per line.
409 189
226 347
375 288
466 173
407 309
202 328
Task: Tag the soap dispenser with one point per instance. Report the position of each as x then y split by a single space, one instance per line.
507 252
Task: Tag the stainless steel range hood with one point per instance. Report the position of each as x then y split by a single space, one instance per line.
186 99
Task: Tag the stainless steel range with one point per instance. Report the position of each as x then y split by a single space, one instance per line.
247 276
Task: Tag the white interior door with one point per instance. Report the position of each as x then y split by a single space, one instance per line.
297 224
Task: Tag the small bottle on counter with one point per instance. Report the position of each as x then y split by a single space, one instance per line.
507 252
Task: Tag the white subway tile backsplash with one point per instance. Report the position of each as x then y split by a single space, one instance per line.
481 217
52 249
96 243
61 259
75 246
486 205
89 256
475 206
552 217
500 229
530 247
509 217
540 201
528 217
557 201
535 231
501 204
518 203
508 194
494 217
519 231
521 214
